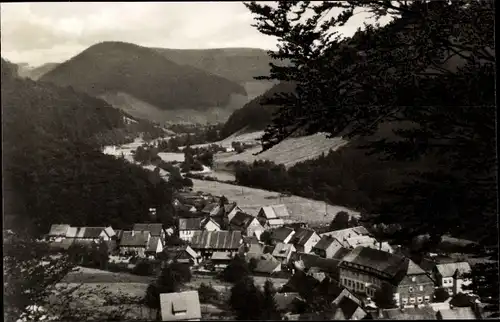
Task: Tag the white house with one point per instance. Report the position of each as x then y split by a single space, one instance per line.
210 224
451 277
188 226
304 239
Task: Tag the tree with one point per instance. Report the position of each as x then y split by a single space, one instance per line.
265 237
269 306
384 297
236 270
441 295
246 300
431 65
341 221
485 284
207 293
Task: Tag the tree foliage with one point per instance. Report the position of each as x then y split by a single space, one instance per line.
429 68
236 270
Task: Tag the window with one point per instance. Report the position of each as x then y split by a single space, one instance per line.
410 289
421 287
412 300
405 300
413 279
426 298
420 299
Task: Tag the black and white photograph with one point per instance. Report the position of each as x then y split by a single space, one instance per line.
249 160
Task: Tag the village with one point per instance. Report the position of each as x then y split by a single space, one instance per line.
349 265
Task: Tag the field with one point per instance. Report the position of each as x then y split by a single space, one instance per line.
288 152
250 200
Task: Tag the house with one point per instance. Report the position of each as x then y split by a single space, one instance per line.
365 270
301 283
181 306
273 216
188 227
282 252
452 276
347 309
208 242
245 223
267 265
347 233
212 209
86 235
304 239
326 247
134 242
221 260
366 241
210 224
182 254
287 302
253 251
306 262
57 232
230 210
154 246
155 229
457 313
282 235
408 313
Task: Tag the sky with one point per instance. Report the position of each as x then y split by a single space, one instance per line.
38 33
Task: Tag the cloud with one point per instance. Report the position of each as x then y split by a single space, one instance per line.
53 32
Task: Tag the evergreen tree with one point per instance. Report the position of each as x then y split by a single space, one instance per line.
269 306
246 300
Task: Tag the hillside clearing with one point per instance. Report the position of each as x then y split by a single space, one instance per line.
251 200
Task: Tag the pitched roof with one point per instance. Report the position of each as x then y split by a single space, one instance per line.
153 244
221 256
327 265
58 230
324 243
302 283
281 233
180 306
347 307
241 220
134 239
64 244
229 207
340 253
84 232
381 261
250 240
174 252
222 239
266 265
347 233
190 223
458 313
283 250
284 301
214 220
301 236
154 228
409 313
275 211
212 208
449 269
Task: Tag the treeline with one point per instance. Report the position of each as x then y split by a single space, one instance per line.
190 135
347 177
54 167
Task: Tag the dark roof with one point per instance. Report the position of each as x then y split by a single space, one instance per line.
324 242
329 288
281 233
347 306
134 239
266 265
155 229
250 240
176 252
302 283
408 313
285 301
211 208
381 261
229 207
216 240
190 223
327 265
241 220
341 253
152 244
301 236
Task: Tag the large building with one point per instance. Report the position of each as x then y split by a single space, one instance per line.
364 270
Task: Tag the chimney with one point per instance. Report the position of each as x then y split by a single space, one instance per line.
380 313
133 233
380 246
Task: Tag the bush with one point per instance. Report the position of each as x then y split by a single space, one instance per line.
143 268
441 295
236 270
207 293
